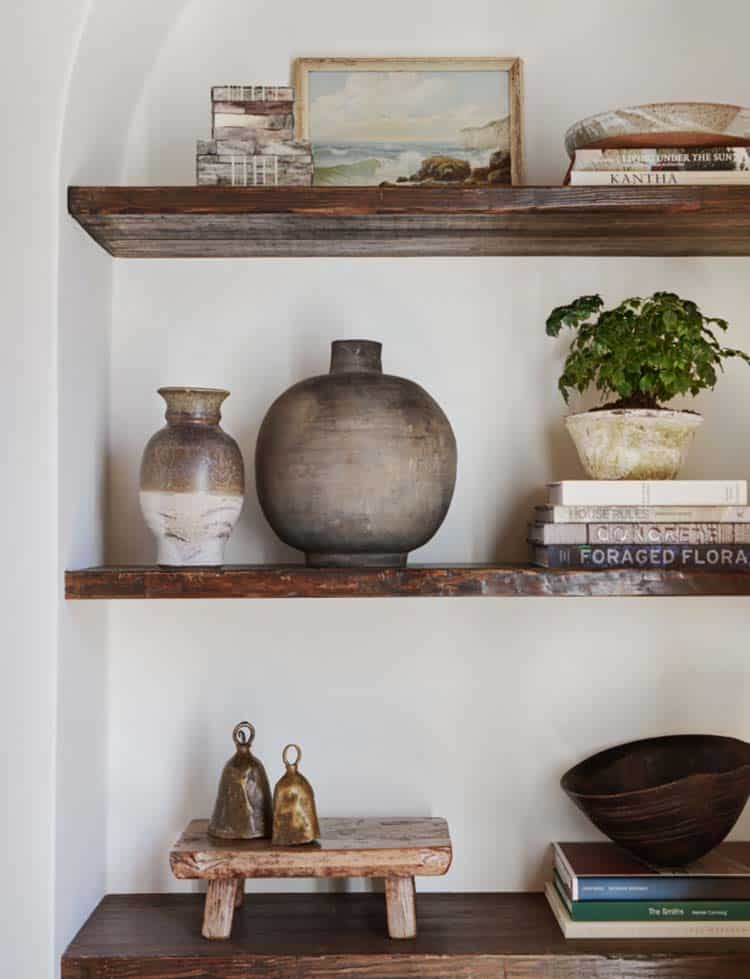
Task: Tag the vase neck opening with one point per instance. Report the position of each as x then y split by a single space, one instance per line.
198 406
356 357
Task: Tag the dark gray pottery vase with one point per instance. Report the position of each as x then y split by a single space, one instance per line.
355 467
192 480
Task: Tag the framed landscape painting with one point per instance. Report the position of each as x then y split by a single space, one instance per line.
414 121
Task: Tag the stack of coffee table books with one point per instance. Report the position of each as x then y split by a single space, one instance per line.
599 891
667 524
660 166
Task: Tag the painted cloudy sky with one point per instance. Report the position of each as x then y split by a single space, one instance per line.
403 106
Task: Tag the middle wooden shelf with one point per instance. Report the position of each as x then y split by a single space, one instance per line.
413 581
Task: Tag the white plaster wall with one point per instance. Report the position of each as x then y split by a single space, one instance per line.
470 330
102 93
467 709
56 289
464 708
38 45
580 57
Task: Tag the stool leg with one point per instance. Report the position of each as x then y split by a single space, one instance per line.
399 906
219 909
240 896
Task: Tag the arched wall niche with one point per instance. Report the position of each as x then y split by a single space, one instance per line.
391 700
538 688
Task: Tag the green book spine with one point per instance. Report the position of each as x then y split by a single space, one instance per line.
653 910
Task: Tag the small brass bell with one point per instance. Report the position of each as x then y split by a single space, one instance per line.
243 802
295 820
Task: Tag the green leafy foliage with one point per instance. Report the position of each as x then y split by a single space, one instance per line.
645 351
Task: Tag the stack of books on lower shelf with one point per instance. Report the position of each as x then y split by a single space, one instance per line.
661 166
599 891
669 524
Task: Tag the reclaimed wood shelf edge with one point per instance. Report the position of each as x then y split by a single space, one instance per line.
415 581
344 936
142 222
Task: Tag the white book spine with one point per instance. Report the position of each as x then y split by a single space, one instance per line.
664 492
252 93
690 534
657 178
551 533
639 514
636 158
565 871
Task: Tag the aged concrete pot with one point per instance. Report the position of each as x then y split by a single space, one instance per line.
192 480
355 467
633 443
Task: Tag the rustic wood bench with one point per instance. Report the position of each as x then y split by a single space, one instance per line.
397 850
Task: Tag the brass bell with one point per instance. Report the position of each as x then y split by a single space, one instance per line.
243 802
295 820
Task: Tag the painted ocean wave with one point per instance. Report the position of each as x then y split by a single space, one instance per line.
372 163
362 172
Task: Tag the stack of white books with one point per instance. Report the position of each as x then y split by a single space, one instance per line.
252 140
661 166
673 524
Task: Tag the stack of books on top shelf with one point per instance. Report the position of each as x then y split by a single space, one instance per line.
661 166
672 524
599 891
252 140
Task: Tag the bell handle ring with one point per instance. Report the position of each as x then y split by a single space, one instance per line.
243 734
297 760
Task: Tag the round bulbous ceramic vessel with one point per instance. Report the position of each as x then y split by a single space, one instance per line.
192 480
633 443
355 467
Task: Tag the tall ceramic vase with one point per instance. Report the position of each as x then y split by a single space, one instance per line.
192 480
355 467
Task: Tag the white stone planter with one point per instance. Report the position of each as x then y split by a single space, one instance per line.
633 443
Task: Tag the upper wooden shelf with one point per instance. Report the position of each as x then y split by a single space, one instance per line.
228 222
414 581
343 936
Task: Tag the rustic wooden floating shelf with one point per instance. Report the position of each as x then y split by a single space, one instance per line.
226 222
459 580
343 936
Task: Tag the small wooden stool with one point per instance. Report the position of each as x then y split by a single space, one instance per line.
396 849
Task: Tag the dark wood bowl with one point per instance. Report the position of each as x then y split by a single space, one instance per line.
667 800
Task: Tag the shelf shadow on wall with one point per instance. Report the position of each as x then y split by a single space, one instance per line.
560 462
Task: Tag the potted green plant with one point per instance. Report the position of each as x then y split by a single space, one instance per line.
643 352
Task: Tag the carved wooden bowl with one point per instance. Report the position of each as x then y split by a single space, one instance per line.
676 124
667 800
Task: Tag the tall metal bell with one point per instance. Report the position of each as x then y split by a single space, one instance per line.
243 803
294 817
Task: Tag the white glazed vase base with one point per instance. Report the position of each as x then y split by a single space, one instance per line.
185 554
191 529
